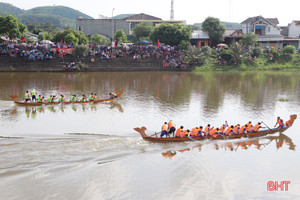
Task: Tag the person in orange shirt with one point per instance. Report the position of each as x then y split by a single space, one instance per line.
243 129
194 132
279 122
172 127
249 124
229 130
236 128
256 127
207 130
200 131
178 132
222 129
215 132
184 133
164 129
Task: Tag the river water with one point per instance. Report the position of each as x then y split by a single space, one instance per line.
92 152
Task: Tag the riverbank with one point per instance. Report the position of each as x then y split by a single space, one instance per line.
16 64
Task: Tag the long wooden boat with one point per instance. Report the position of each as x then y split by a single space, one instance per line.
157 138
14 97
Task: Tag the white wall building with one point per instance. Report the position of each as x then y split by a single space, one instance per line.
294 29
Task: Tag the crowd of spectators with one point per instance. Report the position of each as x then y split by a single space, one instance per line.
167 56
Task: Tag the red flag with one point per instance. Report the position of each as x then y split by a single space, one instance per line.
61 42
199 44
13 41
259 44
158 43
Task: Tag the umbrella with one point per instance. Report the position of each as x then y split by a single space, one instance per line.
46 42
221 45
144 42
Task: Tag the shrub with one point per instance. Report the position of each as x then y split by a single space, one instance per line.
289 49
226 54
256 52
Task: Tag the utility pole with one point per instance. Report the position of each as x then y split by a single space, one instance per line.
34 18
172 10
112 27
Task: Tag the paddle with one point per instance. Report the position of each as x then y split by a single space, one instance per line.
266 125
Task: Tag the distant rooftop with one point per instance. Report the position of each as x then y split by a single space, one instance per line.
122 16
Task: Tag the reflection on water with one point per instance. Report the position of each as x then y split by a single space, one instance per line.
259 144
33 111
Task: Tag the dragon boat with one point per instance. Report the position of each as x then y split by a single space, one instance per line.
14 97
155 137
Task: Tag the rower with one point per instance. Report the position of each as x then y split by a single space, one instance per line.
27 96
95 96
256 127
83 98
184 133
236 128
222 128
249 124
215 132
207 130
33 95
178 132
50 99
229 130
194 132
39 99
164 129
279 122
243 129
112 95
61 98
91 97
200 131
73 98
171 126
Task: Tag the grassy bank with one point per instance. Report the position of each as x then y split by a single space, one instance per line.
257 64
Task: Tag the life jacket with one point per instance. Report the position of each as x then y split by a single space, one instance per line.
236 128
242 129
194 132
178 131
214 131
60 99
249 125
39 100
183 133
49 99
222 129
91 97
280 122
256 127
83 98
228 130
171 124
33 92
207 129
164 127
27 96
248 129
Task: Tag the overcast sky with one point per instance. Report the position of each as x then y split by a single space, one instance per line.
193 11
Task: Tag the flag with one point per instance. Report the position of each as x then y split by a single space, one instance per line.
61 42
158 43
259 44
13 41
199 44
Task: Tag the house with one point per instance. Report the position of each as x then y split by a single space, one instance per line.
294 29
127 22
267 30
200 38
232 36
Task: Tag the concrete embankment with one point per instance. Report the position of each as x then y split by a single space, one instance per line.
8 64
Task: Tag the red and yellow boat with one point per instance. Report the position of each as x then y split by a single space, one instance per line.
14 97
268 131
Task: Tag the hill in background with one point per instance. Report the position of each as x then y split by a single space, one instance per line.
58 15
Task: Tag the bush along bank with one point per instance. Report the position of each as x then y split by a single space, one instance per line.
240 58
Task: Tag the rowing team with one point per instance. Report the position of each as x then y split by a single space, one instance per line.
61 98
224 130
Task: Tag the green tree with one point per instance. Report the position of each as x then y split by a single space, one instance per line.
81 39
249 40
171 34
120 36
237 51
71 38
11 26
97 40
184 45
143 30
81 50
215 29
45 36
